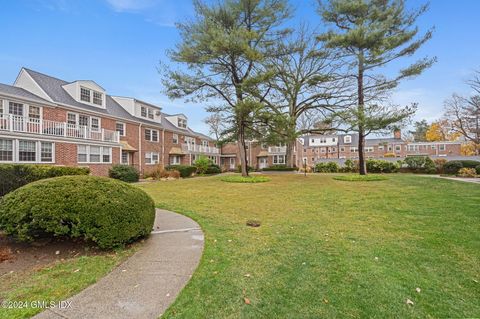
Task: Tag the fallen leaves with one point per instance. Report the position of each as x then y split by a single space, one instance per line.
247 301
409 302
418 290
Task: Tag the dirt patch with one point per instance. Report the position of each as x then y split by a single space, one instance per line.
17 257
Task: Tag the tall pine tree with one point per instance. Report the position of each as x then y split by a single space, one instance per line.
372 34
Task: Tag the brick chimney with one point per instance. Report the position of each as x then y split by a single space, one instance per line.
397 134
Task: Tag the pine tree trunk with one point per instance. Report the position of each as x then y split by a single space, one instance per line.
361 110
243 151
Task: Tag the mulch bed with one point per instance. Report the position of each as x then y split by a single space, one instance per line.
17 257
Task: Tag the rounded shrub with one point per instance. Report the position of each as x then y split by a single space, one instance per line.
452 167
330 167
106 211
124 173
477 169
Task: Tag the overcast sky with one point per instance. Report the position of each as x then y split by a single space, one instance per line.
118 43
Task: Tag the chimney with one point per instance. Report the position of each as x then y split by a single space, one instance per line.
397 134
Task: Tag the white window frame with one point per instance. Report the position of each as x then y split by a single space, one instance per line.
276 159
347 139
38 149
442 147
149 156
103 150
124 128
175 160
151 135
121 157
13 150
175 138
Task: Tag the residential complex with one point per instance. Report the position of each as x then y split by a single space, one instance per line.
47 120
51 121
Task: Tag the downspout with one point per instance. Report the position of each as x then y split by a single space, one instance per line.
163 147
140 148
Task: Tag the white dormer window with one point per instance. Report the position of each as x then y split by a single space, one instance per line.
85 95
146 112
347 139
182 123
91 96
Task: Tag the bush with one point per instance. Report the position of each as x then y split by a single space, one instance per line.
381 166
467 172
106 211
13 176
125 173
280 168
213 169
477 169
350 166
439 163
389 155
202 164
452 167
470 163
330 167
184 170
421 164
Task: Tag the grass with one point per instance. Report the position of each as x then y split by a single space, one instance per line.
56 282
242 179
360 178
330 249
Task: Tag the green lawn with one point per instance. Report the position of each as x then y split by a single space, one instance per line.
55 282
328 248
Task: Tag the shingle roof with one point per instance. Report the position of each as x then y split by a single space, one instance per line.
21 93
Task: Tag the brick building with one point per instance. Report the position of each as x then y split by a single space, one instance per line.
46 120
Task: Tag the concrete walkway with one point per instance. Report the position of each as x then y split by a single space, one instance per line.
149 281
459 179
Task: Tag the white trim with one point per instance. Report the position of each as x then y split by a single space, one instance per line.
38 149
151 160
48 98
88 153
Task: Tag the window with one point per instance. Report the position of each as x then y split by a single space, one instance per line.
175 138
1 107
46 152
182 123
82 154
83 120
124 157
146 112
120 128
106 154
6 150
27 151
95 154
322 150
342 149
380 148
441 147
204 143
85 94
398 148
279 159
353 149
15 108
264 146
151 135
434 147
97 98
390 148
72 118
347 139
369 149
151 158
95 124
34 112
175 160
333 139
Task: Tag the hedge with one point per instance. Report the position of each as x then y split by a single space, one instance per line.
330 167
185 170
13 176
279 168
108 212
477 169
213 169
421 164
125 173
381 166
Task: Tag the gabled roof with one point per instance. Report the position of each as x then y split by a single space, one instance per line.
53 87
21 93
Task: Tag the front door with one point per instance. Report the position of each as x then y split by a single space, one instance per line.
232 163
262 163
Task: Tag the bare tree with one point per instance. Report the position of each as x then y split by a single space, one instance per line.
216 125
463 113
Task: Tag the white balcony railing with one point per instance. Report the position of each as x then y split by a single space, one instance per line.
190 148
15 123
277 149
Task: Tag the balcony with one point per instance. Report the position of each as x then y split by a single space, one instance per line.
200 149
277 149
22 124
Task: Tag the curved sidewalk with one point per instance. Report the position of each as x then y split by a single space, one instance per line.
146 283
